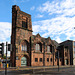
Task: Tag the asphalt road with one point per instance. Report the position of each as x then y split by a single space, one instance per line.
49 71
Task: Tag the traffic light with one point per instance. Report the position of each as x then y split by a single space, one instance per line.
9 47
2 49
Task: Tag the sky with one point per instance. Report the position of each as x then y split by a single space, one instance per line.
50 18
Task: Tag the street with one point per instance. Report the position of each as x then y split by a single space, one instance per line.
48 71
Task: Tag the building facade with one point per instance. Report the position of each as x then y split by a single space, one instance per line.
29 49
64 54
70 45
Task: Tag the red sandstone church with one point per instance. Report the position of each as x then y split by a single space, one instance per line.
29 49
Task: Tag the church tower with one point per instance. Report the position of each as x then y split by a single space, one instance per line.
20 37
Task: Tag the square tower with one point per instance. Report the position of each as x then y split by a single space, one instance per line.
21 33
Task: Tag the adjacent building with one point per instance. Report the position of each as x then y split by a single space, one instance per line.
69 45
64 53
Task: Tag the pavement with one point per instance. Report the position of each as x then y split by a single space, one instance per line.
29 67
42 71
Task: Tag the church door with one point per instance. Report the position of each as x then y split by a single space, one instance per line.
23 61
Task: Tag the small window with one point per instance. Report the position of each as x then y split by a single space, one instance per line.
51 59
40 59
36 59
47 59
24 24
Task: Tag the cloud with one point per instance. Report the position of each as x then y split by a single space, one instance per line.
5 31
39 16
32 8
64 7
62 23
55 27
17 1
58 39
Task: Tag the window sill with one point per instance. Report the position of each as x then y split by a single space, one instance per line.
37 52
48 52
23 51
24 28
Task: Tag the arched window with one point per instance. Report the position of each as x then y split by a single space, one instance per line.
48 48
24 47
38 47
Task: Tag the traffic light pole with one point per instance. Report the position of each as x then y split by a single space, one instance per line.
6 59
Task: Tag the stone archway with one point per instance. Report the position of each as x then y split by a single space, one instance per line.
24 61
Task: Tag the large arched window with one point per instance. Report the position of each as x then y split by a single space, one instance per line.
38 47
24 46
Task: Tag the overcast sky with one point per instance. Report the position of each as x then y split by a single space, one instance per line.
50 18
